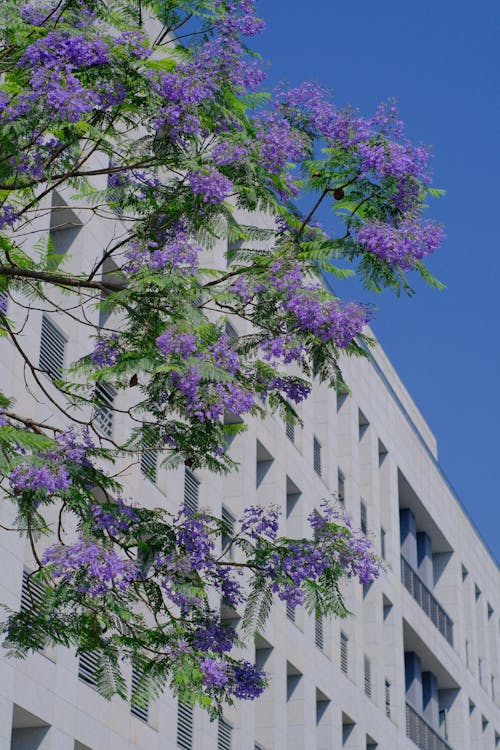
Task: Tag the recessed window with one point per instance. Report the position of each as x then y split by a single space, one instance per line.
105 395
383 548
344 652
341 487
149 458
319 638
52 347
87 667
191 491
363 423
363 517
228 521
224 735
139 703
387 697
317 456
184 726
368 676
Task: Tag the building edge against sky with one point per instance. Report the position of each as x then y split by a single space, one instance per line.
418 662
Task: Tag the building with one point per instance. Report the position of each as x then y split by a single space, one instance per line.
416 665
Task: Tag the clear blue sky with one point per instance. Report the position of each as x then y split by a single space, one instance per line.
440 59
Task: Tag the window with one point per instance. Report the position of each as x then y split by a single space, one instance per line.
363 423
184 726
363 517
341 487
318 632
387 697
344 652
467 654
317 456
492 683
290 431
228 521
52 346
139 704
383 550
105 395
149 459
290 612
368 677
382 453
31 593
87 667
4 301
477 592
224 733
191 491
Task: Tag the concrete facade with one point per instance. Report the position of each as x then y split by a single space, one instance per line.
417 663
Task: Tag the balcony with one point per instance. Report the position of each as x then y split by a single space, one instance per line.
427 601
421 733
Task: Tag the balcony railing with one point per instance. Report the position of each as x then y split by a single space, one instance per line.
417 588
421 733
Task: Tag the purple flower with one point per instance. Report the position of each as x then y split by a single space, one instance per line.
173 341
214 672
211 184
96 570
247 681
401 245
26 478
105 353
214 637
257 521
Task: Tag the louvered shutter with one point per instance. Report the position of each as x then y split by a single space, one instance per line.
224 735
31 593
52 346
103 415
318 632
317 456
290 612
344 653
368 677
228 533
191 491
184 726
149 461
87 668
4 301
290 431
139 705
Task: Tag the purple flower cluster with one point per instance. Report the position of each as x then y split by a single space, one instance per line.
289 567
116 519
227 153
97 570
211 184
8 216
214 637
174 250
50 474
247 681
284 348
402 245
105 353
345 546
279 142
214 672
329 320
30 478
205 399
260 522
173 341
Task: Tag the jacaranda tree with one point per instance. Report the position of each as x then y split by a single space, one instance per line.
164 98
